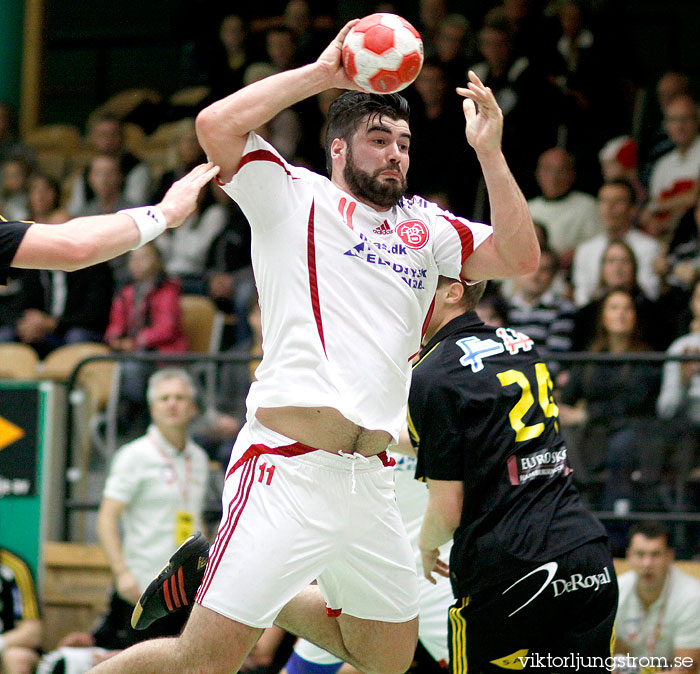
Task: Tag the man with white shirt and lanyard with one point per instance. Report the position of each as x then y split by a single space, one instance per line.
658 616
156 490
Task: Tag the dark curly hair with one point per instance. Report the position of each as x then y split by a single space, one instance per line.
351 107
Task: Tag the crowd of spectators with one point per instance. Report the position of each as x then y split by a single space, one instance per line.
613 187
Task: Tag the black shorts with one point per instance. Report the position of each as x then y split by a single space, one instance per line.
557 617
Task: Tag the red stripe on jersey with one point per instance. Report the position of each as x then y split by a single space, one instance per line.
313 278
424 329
513 476
466 237
257 155
262 155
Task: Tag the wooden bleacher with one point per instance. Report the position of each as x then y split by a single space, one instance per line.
75 589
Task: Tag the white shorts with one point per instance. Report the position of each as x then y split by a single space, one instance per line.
294 514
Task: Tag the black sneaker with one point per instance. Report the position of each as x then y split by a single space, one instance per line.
176 585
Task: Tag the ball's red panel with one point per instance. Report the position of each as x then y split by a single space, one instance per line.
410 67
349 63
385 81
379 39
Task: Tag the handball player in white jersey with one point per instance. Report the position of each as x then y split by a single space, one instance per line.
346 270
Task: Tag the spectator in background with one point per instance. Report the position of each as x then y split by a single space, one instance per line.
658 614
280 48
145 316
284 130
11 146
682 260
569 216
618 161
153 500
155 490
614 406
528 101
20 624
674 185
592 108
14 200
431 13
185 249
44 194
220 61
539 311
493 308
64 307
616 210
653 139
310 39
23 290
434 121
454 49
106 181
229 274
186 154
679 399
106 136
618 271
523 21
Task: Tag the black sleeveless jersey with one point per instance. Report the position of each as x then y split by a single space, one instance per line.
11 235
481 411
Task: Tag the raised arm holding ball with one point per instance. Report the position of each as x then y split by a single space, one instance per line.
346 269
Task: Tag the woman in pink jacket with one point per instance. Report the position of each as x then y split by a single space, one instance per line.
145 316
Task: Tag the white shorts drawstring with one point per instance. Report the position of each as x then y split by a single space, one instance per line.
354 456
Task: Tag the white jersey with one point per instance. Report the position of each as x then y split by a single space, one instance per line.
345 290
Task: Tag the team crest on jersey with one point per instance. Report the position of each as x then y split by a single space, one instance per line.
413 233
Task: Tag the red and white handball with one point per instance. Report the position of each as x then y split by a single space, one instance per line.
382 53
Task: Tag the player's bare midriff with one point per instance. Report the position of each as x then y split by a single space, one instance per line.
324 428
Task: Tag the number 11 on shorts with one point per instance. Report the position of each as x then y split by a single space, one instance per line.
270 470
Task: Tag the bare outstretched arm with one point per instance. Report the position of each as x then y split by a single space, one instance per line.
82 242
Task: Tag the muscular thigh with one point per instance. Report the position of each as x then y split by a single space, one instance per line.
211 638
382 645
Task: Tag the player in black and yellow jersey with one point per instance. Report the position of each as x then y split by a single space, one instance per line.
530 566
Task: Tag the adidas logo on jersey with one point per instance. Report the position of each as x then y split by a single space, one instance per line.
383 229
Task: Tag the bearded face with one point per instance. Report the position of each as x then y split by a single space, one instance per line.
384 192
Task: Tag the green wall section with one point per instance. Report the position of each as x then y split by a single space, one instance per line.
11 32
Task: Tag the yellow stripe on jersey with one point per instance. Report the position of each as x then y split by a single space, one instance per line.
424 356
415 438
613 638
25 584
458 646
3 219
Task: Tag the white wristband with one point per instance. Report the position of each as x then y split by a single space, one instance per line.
2 643
149 220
